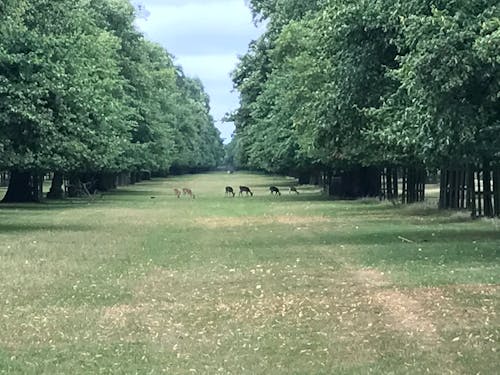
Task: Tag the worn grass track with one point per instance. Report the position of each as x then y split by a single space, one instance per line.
139 281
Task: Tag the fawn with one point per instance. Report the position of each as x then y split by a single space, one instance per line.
186 191
293 189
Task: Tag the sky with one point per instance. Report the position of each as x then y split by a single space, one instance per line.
206 37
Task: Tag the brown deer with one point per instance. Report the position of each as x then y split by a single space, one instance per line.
293 189
177 192
245 189
274 190
186 191
229 190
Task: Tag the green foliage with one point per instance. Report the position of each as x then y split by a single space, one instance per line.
82 91
340 83
453 88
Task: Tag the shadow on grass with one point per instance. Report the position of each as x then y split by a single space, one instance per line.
429 247
46 205
413 236
293 198
28 227
146 193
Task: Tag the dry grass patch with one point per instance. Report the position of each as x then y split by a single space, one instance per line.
46 327
427 313
155 321
404 313
461 306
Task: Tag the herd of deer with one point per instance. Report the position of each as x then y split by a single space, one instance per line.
230 191
185 191
245 189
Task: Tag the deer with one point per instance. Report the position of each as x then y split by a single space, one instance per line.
245 189
177 192
274 190
186 191
229 190
293 189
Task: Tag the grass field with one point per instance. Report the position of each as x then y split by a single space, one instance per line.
140 282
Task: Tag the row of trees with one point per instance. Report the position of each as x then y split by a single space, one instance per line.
84 95
349 87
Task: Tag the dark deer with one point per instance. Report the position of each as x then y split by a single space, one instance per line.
293 189
274 190
229 190
245 189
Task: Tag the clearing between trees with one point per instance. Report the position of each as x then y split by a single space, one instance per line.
141 281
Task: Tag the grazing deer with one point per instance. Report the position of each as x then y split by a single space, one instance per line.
293 189
177 192
245 189
229 190
274 190
186 191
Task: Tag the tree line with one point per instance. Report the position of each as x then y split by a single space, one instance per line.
366 93
84 96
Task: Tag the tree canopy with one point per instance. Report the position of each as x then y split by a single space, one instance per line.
81 90
369 82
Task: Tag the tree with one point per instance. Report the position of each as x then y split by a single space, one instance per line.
84 94
56 75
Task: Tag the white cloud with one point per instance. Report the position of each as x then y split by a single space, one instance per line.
201 28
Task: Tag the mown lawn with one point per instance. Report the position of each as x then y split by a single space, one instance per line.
139 281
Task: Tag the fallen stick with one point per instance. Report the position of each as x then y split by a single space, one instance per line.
405 239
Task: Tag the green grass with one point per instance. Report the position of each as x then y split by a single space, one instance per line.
139 281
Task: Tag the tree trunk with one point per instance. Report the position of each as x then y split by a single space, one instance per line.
488 207
56 191
411 182
4 179
133 177
304 178
442 189
23 187
479 193
106 181
404 186
387 187
74 186
463 189
496 191
395 190
471 191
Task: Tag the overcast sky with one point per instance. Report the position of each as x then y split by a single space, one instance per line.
206 37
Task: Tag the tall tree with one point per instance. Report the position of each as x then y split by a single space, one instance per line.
57 102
